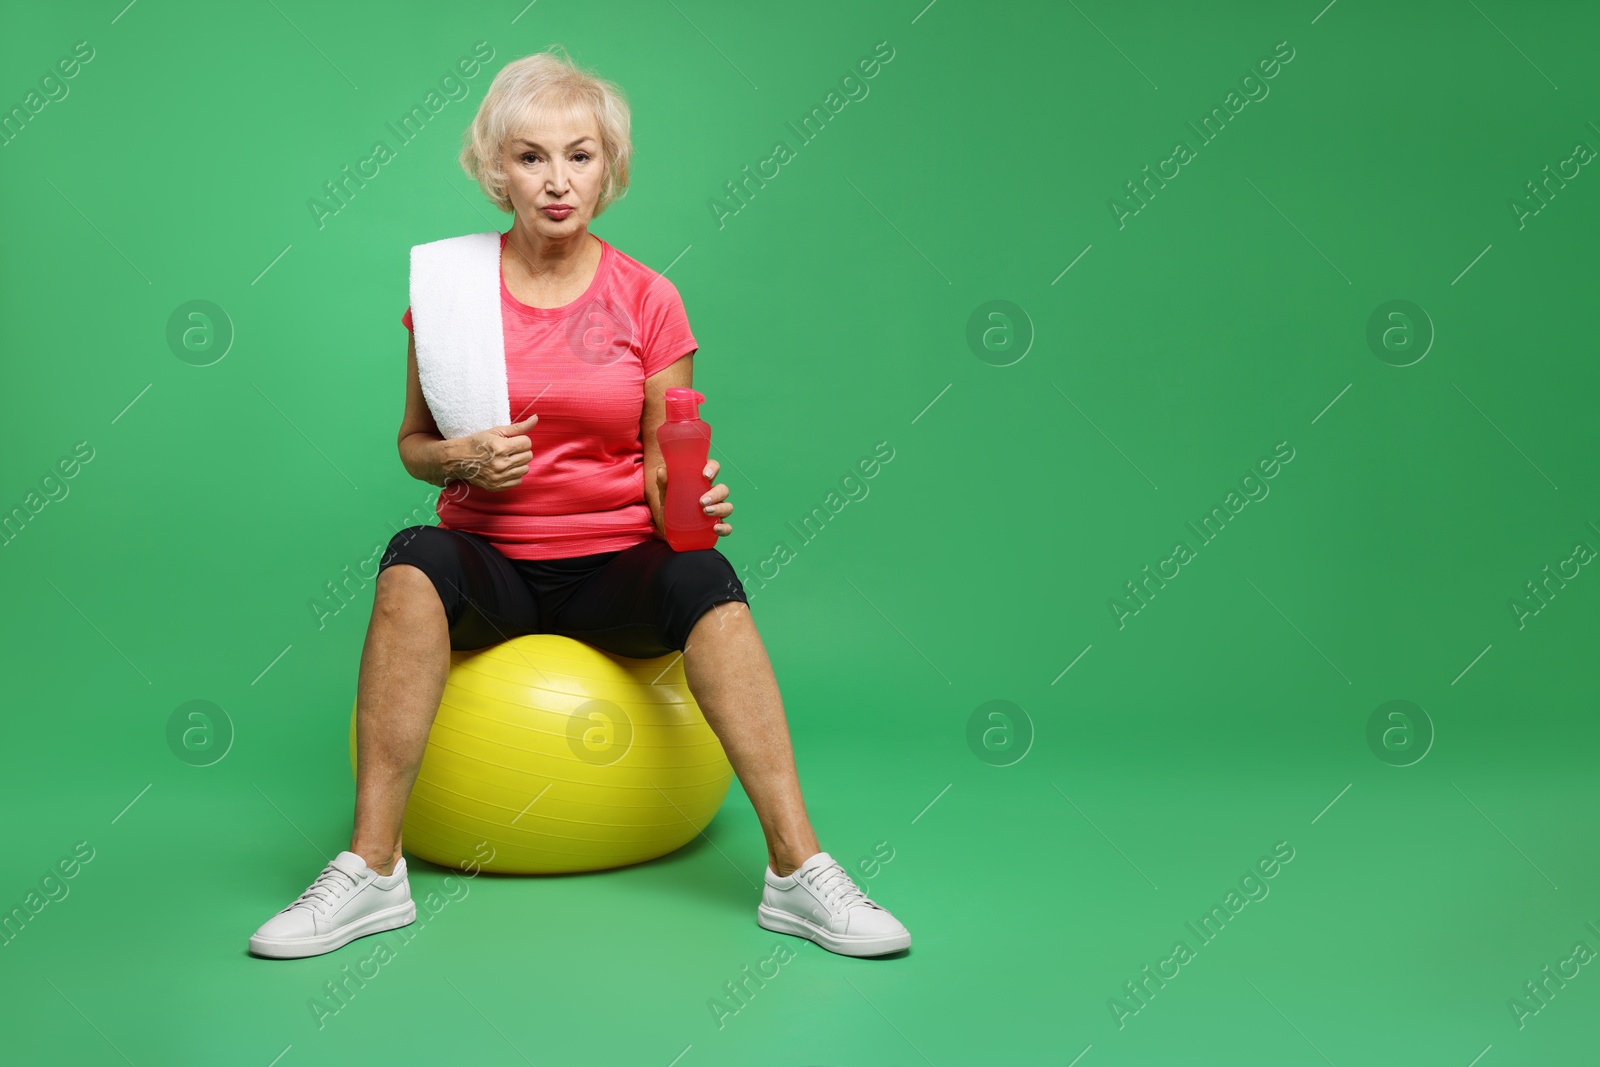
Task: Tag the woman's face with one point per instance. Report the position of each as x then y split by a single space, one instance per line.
555 159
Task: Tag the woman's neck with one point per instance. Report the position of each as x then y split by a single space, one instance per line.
546 260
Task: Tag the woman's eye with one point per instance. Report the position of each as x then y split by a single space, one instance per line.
528 157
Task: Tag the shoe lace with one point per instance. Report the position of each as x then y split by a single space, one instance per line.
322 893
838 891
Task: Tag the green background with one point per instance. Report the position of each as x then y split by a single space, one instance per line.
1038 869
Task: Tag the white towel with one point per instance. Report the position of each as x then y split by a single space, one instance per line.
455 319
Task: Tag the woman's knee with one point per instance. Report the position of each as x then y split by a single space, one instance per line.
404 588
401 578
703 585
719 615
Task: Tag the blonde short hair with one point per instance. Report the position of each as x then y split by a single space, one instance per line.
545 82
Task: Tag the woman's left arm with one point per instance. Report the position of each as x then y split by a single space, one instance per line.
678 373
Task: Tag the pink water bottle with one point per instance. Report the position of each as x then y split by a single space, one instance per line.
685 442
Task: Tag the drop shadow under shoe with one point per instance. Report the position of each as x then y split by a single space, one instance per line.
346 901
820 902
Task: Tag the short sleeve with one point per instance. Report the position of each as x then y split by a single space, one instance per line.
405 320
666 327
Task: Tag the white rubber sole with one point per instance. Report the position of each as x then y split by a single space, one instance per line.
782 922
279 948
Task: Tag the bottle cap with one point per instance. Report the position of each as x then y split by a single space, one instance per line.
683 405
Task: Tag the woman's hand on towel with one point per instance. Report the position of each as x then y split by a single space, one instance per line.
495 459
714 502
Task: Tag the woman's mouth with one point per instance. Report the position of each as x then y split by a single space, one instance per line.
557 211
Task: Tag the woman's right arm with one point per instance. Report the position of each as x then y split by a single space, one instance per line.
495 459
424 453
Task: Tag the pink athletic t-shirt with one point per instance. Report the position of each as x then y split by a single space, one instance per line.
581 369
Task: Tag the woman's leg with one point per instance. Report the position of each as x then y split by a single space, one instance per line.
404 664
438 590
648 601
732 680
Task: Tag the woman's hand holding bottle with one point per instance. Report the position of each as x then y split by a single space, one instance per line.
713 502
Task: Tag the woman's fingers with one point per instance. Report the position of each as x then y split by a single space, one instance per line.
713 502
514 463
509 476
514 450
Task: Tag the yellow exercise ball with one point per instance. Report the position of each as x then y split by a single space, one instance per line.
550 756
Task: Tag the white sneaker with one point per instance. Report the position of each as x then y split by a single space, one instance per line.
348 900
820 902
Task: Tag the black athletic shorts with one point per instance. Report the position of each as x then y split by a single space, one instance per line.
639 602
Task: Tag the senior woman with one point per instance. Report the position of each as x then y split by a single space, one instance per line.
553 523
